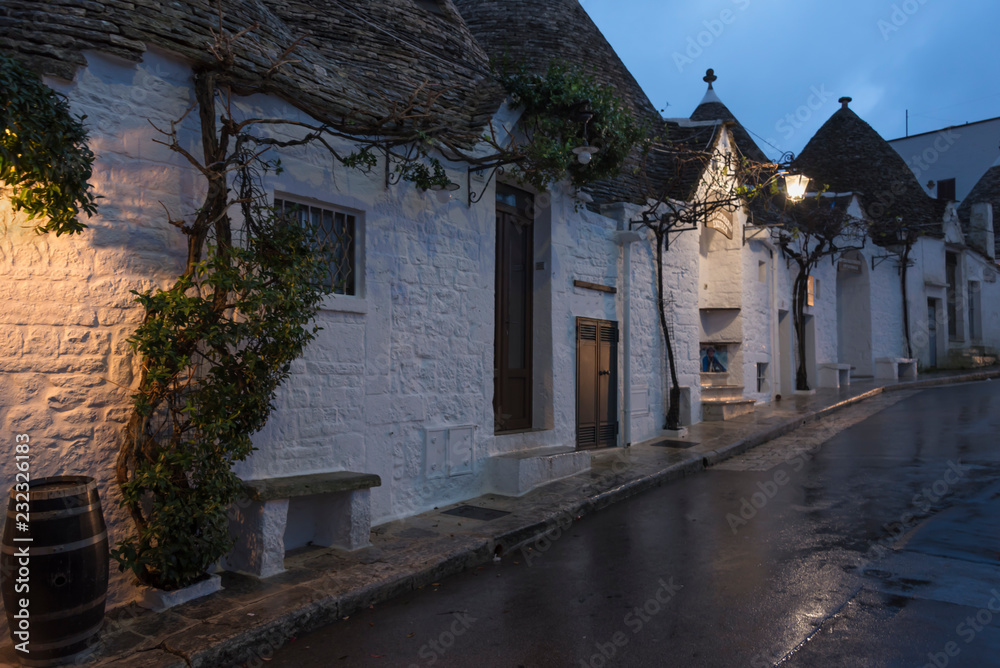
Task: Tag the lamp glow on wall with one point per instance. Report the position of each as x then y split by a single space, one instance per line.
443 192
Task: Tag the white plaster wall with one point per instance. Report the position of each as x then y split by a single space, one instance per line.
65 308
824 312
927 281
963 152
412 352
757 313
888 337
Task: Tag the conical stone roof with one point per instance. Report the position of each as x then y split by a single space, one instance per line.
847 155
987 189
537 32
711 108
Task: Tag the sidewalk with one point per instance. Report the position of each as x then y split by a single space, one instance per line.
249 619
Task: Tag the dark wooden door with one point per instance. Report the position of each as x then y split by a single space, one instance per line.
596 383
512 377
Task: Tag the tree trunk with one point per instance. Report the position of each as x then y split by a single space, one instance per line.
904 260
674 408
799 318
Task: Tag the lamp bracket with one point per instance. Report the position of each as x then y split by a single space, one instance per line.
474 197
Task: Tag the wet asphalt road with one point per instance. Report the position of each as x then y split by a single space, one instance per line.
877 549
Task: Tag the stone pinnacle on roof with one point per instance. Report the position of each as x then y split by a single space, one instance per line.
848 155
711 108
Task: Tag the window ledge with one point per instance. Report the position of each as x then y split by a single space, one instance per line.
344 304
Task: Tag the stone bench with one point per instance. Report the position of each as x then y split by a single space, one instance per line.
834 375
895 368
327 509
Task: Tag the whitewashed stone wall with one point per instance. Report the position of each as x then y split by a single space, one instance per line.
759 316
66 310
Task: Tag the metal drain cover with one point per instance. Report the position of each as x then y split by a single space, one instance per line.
476 513
675 443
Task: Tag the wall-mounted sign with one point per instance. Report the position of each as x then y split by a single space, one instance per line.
723 222
849 266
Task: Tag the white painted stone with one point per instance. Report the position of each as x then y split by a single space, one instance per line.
159 600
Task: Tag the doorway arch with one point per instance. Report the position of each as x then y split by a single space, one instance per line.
854 313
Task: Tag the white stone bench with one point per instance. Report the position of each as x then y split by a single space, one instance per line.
895 368
339 515
834 375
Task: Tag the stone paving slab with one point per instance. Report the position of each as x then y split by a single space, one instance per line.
250 619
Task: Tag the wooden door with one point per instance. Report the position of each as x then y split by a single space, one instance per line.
512 368
596 383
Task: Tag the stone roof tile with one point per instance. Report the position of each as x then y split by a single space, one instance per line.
354 60
847 155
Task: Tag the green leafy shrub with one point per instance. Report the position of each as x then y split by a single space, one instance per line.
44 157
216 345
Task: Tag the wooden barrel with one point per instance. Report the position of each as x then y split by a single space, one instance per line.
54 569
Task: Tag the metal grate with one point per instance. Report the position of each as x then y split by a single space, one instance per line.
334 235
476 513
674 443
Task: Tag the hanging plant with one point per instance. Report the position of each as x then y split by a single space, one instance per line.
44 157
563 108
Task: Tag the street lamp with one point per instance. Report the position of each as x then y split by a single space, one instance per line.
443 192
795 186
585 152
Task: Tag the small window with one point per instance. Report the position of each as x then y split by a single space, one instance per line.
336 234
946 189
762 385
812 291
762 271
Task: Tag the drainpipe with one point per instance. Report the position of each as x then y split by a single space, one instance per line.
625 239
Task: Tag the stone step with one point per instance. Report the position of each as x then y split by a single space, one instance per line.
726 409
721 392
714 378
517 473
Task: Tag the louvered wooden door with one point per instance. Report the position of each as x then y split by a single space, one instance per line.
596 383
512 359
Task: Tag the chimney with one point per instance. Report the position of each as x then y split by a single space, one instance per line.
981 233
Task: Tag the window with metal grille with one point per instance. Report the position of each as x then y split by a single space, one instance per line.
334 235
762 385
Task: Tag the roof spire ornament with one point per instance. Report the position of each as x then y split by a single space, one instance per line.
709 77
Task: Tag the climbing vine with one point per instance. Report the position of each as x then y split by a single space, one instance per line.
564 107
44 157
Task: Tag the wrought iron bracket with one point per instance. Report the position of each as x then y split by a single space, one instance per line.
474 197
392 177
671 228
879 259
753 227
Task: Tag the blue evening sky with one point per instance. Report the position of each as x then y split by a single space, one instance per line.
783 64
